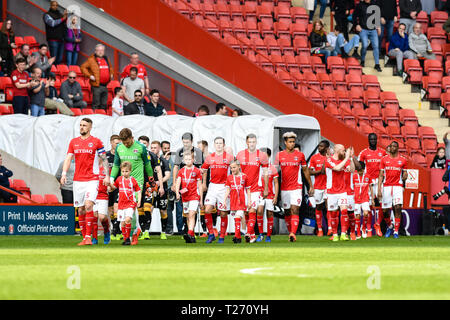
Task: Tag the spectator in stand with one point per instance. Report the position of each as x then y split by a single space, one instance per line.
428 6
130 85
142 72
439 160
154 108
221 109
21 84
44 63
73 40
25 54
341 46
71 92
67 188
364 22
117 103
37 92
409 9
323 7
399 47
52 102
447 145
55 29
341 10
388 18
100 72
202 111
318 40
7 43
419 44
5 174
137 106
237 113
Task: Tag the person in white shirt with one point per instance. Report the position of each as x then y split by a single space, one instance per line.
131 84
117 103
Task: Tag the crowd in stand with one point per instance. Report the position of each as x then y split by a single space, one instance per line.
409 42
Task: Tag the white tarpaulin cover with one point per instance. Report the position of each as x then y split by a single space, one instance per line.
42 142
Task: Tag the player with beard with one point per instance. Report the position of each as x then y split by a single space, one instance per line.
371 157
393 175
87 150
290 161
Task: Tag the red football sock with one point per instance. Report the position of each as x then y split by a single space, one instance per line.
89 222
351 218
251 223
191 233
95 228
344 221
223 226
260 220
287 220
397 225
294 223
388 221
334 217
82 223
209 222
364 222
329 220
369 221
269 226
105 225
237 227
127 230
358 226
379 217
319 219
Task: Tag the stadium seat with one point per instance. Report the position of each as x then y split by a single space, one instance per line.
431 88
419 159
336 65
87 111
352 66
286 46
428 139
408 117
264 12
318 65
19 41
21 200
31 41
325 81
266 29
372 99
356 99
436 35
316 97
370 82
304 63
51 199
76 112
411 137
329 97
298 30
299 14
433 68
21 186
422 18
282 14
413 70
390 117
272 46
99 111
5 109
389 100
37 198
338 81
285 78
311 80
445 102
63 70
394 131
438 18
301 46
353 80
343 99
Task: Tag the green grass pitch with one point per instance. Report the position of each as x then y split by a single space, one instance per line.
38 267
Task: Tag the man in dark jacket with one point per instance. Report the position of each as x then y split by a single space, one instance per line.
341 10
71 92
5 174
137 106
154 108
388 18
368 26
399 47
55 29
409 9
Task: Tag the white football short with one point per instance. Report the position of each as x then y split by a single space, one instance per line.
334 201
268 204
237 213
84 191
361 207
190 206
291 198
101 206
319 197
256 200
125 213
392 196
351 202
216 197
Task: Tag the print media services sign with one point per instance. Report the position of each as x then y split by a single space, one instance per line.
37 220
413 179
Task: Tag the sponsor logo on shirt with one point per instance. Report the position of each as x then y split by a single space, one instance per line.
135 150
90 144
83 151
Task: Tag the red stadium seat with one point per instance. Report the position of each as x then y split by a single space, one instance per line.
372 99
272 46
266 28
299 14
4 109
318 65
431 88
408 117
316 97
299 30
390 117
286 46
436 35
21 200
325 81
370 82
37 198
304 63
285 78
343 99
394 131
414 70
356 99
336 65
338 81
389 100
100 111
352 66
445 102
282 30
301 46
87 111
311 80
422 18
282 14
428 138
264 12
19 41
445 83
31 41
438 18
76 112
419 159
433 68
353 81
51 199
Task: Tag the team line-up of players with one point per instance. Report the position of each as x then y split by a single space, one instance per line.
342 183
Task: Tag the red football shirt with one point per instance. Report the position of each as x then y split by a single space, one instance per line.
102 189
393 168
361 185
251 165
104 70
290 164
238 187
335 179
86 159
348 176
273 174
218 164
142 72
189 178
371 159
316 162
21 78
127 189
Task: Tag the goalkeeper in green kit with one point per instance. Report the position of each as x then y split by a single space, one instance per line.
136 153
